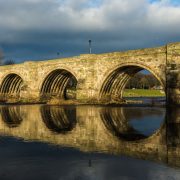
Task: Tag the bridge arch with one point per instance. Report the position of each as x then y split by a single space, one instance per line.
57 83
114 83
11 86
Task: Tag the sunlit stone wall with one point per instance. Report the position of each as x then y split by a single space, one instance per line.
97 74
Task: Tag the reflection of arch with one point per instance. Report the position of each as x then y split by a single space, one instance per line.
58 119
115 82
115 121
11 116
57 83
11 86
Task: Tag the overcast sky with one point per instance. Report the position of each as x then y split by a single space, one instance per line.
39 29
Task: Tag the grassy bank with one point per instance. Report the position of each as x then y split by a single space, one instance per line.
143 93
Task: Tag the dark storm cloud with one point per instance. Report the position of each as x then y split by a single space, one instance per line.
38 29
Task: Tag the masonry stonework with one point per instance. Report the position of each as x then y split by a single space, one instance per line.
100 78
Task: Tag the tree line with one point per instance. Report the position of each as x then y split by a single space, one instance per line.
143 81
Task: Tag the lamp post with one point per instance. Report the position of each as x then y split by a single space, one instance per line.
90 46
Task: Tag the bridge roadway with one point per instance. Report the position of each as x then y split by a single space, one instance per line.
90 78
92 129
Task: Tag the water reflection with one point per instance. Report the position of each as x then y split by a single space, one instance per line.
117 124
58 119
114 130
145 120
11 115
173 127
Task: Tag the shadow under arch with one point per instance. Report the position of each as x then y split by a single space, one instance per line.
11 87
117 121
114 84
59 119
11 115
59 83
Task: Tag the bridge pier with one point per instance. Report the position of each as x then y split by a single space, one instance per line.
86 92
173 74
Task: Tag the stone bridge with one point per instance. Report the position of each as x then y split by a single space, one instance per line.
90 78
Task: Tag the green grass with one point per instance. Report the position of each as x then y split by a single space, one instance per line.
143 93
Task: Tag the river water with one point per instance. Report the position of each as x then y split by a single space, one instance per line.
89 142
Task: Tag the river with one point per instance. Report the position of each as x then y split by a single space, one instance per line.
89 142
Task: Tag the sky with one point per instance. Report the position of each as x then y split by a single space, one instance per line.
47 29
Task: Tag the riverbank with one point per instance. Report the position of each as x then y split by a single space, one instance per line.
143 93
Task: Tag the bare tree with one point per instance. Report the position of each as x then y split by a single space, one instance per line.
9 62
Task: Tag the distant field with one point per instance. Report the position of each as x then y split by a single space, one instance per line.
143 93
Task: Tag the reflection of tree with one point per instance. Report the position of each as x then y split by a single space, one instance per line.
58 119
11 116
117 124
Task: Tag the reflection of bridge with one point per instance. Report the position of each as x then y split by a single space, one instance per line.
92 78
89 129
